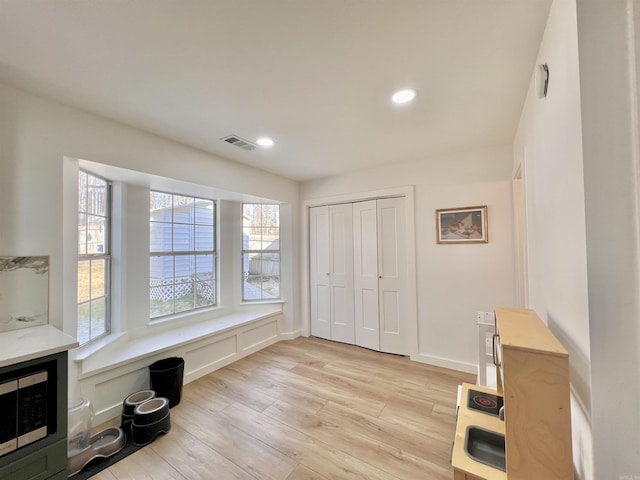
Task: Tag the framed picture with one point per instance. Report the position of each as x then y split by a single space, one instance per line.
462 225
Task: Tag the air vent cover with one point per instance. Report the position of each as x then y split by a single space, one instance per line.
239 142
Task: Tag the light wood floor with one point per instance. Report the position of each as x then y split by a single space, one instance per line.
307 409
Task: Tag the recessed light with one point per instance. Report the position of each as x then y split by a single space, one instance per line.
265 142
404 96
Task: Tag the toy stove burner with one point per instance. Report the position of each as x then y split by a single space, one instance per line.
485 402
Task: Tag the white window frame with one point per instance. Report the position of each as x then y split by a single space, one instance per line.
195 283
92 258
248 251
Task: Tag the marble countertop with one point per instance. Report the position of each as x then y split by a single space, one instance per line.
33 342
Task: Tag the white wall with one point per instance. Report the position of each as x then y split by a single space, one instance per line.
37 195
608 54
453 281
548 145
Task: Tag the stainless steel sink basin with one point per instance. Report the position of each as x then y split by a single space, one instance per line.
486 447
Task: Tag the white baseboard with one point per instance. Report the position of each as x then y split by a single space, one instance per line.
445 363
290 335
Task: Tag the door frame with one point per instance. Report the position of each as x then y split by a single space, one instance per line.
518 185
412 304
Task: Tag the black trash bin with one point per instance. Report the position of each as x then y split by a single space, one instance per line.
166 378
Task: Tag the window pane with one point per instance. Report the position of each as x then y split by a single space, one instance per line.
98 317
161 286
182 209
255 263
204 212
84 282
161 271
251 214
252 288
185 294
161 207
271 238
261 276
204 267
98 278
82 191
204 238
245 264
96 234
271 287
185 268
270 264
161 237
254 236
96 196
82 234
183 240
161 300
184 280
84 326
270 215
205 294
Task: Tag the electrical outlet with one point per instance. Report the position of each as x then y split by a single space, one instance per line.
480 316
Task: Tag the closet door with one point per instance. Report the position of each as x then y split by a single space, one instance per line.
365 274
319 275
392 273
331 272
341 273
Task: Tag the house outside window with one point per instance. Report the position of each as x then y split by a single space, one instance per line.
94 257
182 254
260 252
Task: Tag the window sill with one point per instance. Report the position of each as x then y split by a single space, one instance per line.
115 354
85 351
279 301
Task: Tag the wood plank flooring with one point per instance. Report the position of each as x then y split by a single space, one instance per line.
307 409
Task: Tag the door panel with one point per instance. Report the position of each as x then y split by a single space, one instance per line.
341 260
321 312
389 241
391 313
392 273
370 318
365 275
319 276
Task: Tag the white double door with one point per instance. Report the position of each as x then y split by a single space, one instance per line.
357 263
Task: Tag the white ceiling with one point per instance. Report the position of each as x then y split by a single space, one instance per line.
316 75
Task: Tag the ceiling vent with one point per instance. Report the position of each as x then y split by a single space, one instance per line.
239 142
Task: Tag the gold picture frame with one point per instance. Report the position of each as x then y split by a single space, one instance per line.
462 225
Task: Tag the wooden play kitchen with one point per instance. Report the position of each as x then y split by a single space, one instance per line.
522 430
